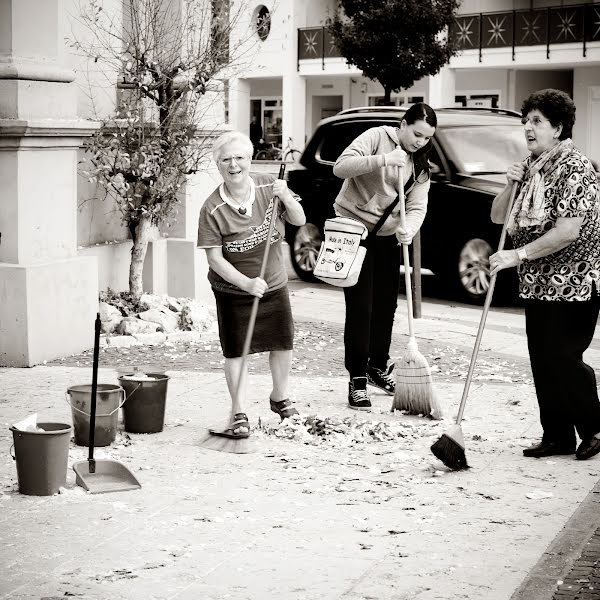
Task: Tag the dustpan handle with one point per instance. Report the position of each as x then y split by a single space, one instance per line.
94 389
486 308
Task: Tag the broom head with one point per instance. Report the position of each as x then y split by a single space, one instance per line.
450 449
246 445
414 385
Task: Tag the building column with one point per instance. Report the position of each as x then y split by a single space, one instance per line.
441 88
48 294
293 86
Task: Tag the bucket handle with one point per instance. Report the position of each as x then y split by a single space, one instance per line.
112 412
12 447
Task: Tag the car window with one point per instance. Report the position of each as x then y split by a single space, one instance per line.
340 136
483 149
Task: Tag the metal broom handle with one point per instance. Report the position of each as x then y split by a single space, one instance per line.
256 300
486 308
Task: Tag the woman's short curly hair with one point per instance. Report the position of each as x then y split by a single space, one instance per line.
229 137
556 106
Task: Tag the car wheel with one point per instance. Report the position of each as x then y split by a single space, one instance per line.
305 244
474 269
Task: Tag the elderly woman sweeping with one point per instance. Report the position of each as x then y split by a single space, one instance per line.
555 228
233 229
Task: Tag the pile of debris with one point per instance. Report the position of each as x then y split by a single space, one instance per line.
314 429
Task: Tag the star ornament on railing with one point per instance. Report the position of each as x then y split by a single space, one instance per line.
497 29
596 23
566 26
310 43
531 28
464 33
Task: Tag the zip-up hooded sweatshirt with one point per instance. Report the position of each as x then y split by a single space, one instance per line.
369 187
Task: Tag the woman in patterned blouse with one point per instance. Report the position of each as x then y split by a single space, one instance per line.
555 228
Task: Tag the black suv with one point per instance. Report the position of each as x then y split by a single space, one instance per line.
472 148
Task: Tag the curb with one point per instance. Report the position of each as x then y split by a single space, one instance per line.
558 559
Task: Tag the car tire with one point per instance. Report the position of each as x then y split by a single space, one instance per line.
467 273
305 243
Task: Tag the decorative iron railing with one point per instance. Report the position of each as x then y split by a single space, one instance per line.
533 27
316 42
578 23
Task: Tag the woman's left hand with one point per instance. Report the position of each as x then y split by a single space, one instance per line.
503 260
280 188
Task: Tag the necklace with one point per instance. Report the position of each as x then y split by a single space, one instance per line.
241 208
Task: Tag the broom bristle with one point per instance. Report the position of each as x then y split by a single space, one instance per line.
218 443
450 449
414 386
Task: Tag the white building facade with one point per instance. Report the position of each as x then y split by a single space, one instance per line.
57 251
509 48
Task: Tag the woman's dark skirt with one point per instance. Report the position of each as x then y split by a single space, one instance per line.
274 327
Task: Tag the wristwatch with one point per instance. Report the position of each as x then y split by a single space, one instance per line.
522 254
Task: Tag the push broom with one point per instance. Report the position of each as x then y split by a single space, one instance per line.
450 448
246 445
414 385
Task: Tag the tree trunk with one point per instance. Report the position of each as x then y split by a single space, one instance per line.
138 254
387 96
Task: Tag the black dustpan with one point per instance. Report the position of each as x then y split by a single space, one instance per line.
100 476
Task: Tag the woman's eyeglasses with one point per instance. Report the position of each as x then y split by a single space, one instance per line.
536 121
227 160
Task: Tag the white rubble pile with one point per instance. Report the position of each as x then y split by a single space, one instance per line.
164 314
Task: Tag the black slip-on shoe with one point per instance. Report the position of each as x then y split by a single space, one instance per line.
548 449
588 448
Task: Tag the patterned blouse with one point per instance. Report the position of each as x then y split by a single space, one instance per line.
571 190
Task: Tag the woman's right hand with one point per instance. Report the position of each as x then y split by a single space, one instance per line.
515 172
256 287
396 158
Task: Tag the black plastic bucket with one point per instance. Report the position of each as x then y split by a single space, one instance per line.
145 402
42 458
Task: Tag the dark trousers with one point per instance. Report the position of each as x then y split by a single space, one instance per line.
370 307
558 333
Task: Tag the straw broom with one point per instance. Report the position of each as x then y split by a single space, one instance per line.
245 445
414 385
450 448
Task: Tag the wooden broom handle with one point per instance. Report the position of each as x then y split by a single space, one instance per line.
256 300
406 258
486 308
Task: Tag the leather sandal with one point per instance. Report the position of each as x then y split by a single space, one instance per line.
240 421
284 408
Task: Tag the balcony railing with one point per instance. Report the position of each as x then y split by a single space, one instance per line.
533 27
316 42
550 26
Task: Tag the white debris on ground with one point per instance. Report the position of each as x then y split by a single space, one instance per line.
454 363
340 432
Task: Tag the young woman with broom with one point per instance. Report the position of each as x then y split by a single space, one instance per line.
372 167
233 229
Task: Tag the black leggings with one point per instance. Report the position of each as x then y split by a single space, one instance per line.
558 333
370 307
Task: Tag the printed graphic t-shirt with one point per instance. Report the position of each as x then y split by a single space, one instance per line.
243 237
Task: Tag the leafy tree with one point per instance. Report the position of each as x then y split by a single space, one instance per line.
395 42
166 56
